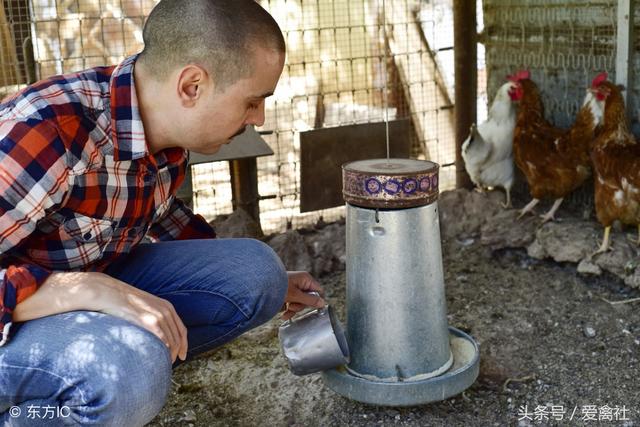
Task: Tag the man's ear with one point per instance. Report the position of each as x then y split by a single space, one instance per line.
191 82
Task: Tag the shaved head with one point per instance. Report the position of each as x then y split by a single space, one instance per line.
219 35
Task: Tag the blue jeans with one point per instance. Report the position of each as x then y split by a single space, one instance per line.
90 368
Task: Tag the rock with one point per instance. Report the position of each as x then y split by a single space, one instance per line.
633 280
616 261
586 266
536 250
189 415
467 242
588 331
567 241
450 204
465 214
238 224
327 249
631 266
292 250
462 212
504 230
483 205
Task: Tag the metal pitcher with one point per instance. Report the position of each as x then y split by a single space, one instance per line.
314 341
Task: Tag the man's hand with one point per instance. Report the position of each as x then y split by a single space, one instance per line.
150 312
63 292
298 297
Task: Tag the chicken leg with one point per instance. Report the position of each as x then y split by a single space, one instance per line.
549 216
507 204
528 208
604 247
636 241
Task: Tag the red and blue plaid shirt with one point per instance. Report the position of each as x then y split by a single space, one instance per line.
78 186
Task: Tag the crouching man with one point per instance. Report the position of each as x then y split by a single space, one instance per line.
92 320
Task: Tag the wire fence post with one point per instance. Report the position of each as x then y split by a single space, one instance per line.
465 54
624 48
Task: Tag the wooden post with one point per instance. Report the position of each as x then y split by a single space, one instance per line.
19 16
624 47
185 192
244 186
9 70
465 57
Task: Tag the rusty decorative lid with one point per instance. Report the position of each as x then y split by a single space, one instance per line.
390 183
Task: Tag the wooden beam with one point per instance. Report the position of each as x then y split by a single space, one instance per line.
624 46
9 70
244 187
419 72
466 76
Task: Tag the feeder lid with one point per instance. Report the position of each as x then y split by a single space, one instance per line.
390 183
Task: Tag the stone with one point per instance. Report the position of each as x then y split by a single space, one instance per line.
504 230
586 266
588 331
633 280
292 250
462 212
616 260
326 247
536 250
567 241
450 204
237 224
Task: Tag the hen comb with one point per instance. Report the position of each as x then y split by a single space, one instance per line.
519 75
599 79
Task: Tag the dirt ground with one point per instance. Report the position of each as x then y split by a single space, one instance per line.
550 341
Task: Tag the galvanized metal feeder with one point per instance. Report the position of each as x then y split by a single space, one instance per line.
402 351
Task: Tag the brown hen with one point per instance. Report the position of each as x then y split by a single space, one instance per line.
554 161
616 164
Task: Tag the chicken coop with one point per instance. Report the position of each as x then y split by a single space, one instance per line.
353 63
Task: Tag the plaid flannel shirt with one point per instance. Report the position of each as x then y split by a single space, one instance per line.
78 186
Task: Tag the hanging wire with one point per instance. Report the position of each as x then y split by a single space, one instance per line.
386 76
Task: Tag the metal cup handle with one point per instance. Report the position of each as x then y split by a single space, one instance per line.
305 311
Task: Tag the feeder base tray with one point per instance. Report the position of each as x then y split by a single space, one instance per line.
463 372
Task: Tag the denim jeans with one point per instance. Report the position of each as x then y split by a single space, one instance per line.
88 368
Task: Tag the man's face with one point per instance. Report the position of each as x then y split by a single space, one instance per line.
223 114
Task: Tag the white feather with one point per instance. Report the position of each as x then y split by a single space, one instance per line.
488 152
618 197
596 106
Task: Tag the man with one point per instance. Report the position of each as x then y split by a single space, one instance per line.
89 164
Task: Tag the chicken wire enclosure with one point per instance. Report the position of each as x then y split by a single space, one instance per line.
16 58
563 44
46 37
335 75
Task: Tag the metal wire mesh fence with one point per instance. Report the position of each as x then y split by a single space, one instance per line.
15 46
335 75
47 37
564 44
340 55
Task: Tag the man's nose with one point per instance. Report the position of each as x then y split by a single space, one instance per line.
256 117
